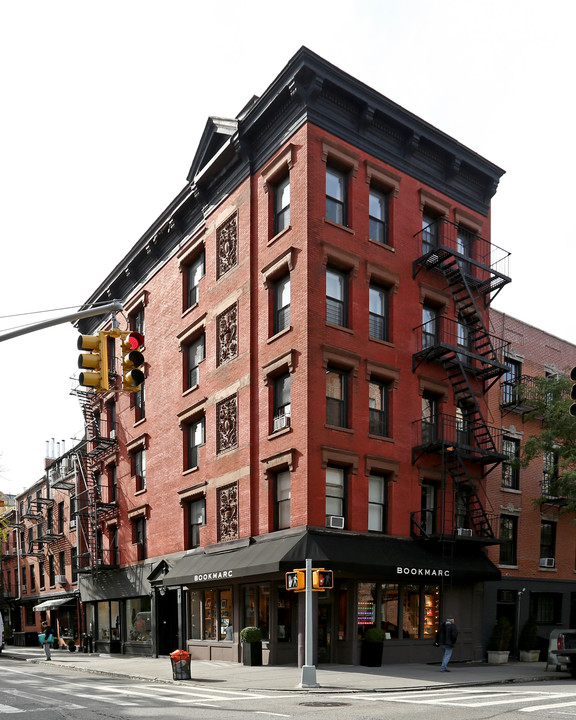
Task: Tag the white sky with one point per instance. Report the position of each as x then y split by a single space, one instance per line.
103 104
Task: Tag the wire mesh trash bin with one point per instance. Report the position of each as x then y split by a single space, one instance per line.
180 660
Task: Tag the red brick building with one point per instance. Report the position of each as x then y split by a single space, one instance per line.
536 554
315 311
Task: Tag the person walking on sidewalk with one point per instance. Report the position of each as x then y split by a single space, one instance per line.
446 638
48 631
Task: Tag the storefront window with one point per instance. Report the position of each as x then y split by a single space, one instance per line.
90 619
257 608
284 615
103 621
139 619
67 625
366 607
195 624
389 609
342 612
431 610
211 614
115 620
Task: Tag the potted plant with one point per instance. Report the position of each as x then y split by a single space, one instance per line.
71 645
251 646
528 641
499 642
372 646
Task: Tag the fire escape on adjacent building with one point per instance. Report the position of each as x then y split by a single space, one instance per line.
466 446
78 474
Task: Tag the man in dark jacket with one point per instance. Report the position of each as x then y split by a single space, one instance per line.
446 638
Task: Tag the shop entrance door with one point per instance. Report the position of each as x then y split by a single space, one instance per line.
325 633
167 623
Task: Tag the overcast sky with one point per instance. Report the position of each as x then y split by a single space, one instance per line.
103 105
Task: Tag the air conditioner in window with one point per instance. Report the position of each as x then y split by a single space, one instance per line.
281 422
72 524
60 579
335 521
112 434
464 532
24 590
547 562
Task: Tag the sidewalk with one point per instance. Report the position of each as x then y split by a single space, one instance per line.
331 678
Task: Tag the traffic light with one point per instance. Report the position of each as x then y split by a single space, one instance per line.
132 360
95 362
573 392
296 580
322 580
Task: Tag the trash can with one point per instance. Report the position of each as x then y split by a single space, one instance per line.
180 660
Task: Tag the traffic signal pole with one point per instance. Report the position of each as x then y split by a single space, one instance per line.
308 669
114 306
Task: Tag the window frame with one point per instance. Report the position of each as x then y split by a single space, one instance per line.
337 312
378 323
510 473
548 544
282 499
195 509
194 352
195 271
281 313
281 211
379 419
192 450
381 504
338 498
342 402
337 205
382 223
139 468
508 540
280 408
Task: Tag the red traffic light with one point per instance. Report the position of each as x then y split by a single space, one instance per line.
134 341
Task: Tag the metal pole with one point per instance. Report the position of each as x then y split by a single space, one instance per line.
308 669
114 306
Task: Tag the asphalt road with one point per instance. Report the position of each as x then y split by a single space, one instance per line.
54 693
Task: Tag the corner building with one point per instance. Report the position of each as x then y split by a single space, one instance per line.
314 304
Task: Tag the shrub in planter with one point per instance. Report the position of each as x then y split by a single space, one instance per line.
251 646
499 642
372 646
528 641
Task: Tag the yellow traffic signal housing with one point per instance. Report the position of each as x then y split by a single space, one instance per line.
296 580
132 361
322 579
95 362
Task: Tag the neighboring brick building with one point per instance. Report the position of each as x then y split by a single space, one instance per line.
315 309
538 541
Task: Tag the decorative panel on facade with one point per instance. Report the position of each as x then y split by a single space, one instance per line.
227 424
228 512
227 335
227 246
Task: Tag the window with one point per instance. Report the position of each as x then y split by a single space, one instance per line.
139 537
546 607
430 232
194 355
335 491
51 570
378 400
50 521
195 438
74 563
428 508
336 297
211 613
430 405
463 339
282 407
282 205
282 500
549 474
403 611
140 404
378 213
32 578
547 539
378 312
139 469
111 419
281 304
60 518
194 273
336 397
196 518
511 382
62 562
464 243
336 195
112 484
508 539
429 327
113 544
137 321
510 470
376 503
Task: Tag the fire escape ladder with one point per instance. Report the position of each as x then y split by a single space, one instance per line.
474 509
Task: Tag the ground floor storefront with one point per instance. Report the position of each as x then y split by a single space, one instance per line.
402 586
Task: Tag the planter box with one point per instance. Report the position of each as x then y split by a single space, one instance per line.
529 655
371 654
252 653
498 657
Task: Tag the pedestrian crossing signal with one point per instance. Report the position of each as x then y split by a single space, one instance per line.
296 580
322 579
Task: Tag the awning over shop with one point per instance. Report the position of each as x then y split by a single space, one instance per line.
52 604
360 556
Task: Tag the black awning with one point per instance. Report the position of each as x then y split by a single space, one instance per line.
360 556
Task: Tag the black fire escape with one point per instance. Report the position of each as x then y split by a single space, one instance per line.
474 272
